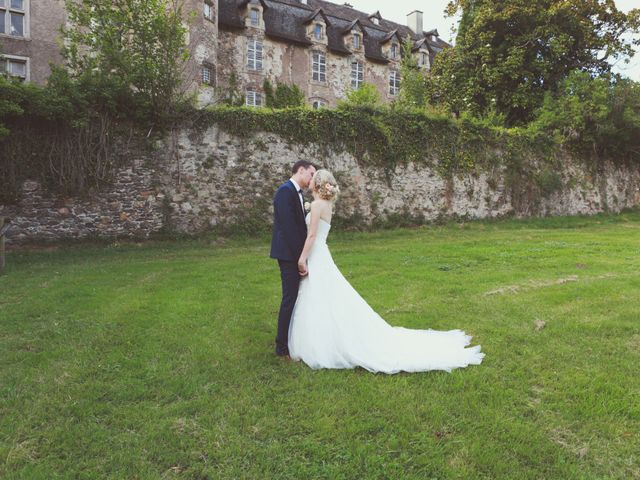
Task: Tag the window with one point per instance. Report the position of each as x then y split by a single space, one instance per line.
253 99
317 104
394 82
208 10
255 17
424 59
356 41
207 75
12 17
357 75
254 54
319 67
394 50
15 67
317 31
375 20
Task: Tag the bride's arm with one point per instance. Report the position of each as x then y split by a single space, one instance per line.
311 237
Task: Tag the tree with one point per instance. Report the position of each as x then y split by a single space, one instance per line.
414 88
365 96
283 96
594 116
133 45
9 102
509 54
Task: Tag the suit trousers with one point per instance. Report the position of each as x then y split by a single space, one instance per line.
290 285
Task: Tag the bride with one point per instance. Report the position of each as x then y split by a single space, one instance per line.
333 327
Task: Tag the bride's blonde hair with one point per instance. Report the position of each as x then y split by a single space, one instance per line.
325 185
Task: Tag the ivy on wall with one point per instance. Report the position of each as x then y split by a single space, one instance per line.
388 137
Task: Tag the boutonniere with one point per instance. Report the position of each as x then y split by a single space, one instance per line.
307 206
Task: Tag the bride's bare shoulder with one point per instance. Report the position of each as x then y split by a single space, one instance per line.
322 205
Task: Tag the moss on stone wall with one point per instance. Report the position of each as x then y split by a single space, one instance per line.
389 137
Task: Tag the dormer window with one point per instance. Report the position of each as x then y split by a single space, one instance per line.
424 59
254 16
317 31
356 41
394 50
375 20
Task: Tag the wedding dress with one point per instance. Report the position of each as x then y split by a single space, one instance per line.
333 327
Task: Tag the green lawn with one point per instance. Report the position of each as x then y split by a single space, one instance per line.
156 360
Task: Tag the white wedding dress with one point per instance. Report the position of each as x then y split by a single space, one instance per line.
333 327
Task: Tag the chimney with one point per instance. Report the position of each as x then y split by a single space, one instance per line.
414 21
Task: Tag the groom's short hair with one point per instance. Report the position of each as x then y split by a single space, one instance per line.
302 164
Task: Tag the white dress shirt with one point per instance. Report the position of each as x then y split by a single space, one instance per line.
295 184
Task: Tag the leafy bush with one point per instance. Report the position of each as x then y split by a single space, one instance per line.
595 117
366 96
283 96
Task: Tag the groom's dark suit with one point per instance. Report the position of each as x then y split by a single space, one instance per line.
289 235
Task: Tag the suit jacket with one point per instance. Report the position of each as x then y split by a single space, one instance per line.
289 226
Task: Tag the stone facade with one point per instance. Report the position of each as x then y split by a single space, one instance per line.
224 180
253 40
324 48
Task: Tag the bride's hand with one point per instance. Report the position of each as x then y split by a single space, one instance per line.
302 266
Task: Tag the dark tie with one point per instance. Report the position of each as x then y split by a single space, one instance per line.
300 193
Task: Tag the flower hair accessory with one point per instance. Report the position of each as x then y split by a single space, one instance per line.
307 206
325 185
328 191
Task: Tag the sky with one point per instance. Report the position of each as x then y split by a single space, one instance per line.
434 17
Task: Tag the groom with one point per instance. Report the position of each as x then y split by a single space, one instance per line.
289 235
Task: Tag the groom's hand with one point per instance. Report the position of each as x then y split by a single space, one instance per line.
302 268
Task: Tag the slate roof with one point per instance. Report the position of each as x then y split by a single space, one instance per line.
286 19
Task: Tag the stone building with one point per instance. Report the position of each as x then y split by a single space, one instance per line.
29 35
324 48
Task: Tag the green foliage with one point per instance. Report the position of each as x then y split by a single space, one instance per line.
283 96
385 137
135 44
10 93
549 182
415 84
124 71
230 95
62 134
366 96
596 117
508 55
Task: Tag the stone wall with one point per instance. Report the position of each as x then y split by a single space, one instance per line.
217 179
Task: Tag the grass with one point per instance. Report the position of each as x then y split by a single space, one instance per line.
155 360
